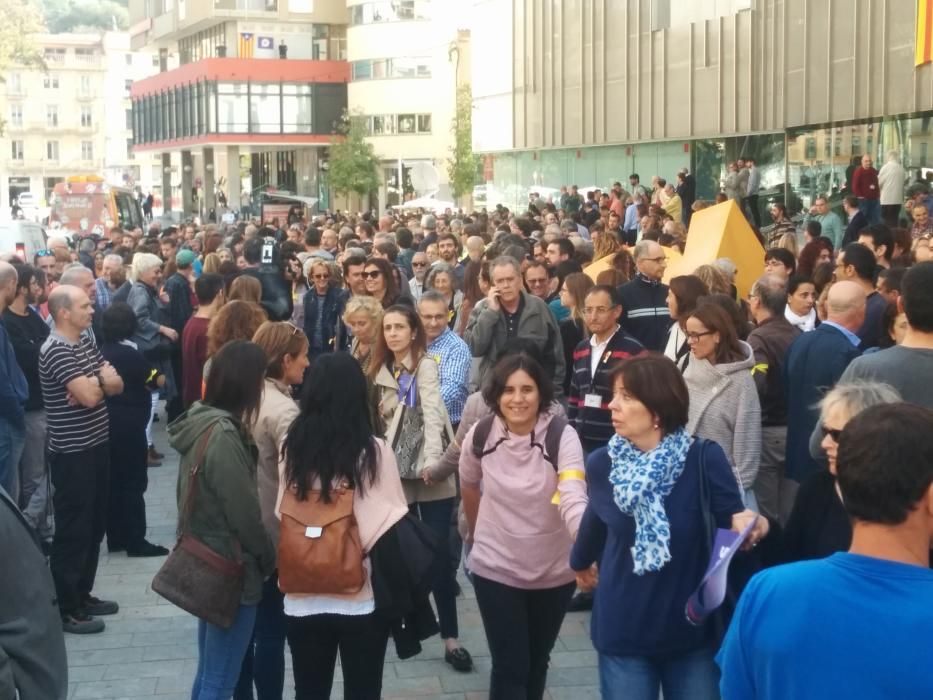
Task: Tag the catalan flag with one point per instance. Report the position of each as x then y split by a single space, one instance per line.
924 47
246 44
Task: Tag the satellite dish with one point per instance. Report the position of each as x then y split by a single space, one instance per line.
424 178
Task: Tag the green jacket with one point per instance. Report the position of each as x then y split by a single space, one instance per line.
226 507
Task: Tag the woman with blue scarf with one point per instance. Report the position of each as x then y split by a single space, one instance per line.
644 528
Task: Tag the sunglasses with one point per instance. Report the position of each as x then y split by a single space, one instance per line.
372 274
295 329
419 264
44 253
831 432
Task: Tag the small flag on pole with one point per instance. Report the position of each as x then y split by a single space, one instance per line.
265 47
924 43
246 45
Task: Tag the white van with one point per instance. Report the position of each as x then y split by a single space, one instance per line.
22 238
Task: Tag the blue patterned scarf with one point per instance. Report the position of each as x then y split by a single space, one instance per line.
640 483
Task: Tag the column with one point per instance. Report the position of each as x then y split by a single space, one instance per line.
188 204
166 182
210 201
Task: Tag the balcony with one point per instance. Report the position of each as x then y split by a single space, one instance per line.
247 5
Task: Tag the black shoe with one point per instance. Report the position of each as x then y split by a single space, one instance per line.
154 454
95 606
155 418
459 659
457 590
115 547
581 602
146 549
80 623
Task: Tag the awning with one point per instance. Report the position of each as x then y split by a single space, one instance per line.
307 201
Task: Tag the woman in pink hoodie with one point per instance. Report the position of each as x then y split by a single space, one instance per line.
522 525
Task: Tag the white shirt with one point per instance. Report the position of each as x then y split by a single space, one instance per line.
598 349
416 287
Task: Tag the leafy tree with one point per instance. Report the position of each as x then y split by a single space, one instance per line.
70 16
463 163
353 165
21 19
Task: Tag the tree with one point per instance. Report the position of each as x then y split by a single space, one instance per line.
84 15
21 20
353 165
461 166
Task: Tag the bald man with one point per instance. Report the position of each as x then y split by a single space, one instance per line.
14 391
75 379
814 363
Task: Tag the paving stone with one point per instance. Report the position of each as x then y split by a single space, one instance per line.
128 688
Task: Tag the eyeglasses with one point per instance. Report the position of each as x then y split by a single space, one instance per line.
536 282
695 337
372 274
597 311
831 432
419 264
295 329
656 260
321 276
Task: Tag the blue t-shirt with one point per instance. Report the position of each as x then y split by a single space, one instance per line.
848 626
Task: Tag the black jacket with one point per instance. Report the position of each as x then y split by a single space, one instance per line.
276 291
401 563
179 308
770 341
331 311
644 312
854 228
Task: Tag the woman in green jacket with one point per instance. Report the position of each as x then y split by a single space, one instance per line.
225 514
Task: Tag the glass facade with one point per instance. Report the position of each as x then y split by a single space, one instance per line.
201 45
389 11
384 68
392 124
211 107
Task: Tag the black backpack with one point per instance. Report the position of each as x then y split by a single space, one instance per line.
550 449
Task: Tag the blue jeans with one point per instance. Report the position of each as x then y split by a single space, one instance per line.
264 662
220 654
436 515
12 441
690 676
871 208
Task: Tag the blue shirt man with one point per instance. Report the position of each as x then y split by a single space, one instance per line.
449 351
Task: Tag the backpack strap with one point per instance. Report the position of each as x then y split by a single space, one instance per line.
552 437
481 434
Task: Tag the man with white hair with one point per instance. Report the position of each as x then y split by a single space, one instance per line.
112 277
891 179
429 226
75 379
14 391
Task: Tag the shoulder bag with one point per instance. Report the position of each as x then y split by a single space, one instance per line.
195 577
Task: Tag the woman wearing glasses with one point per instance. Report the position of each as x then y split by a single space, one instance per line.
321 308
819 525
441 278
380 283
724 404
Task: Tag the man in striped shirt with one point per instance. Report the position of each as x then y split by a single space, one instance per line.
75 379
644 300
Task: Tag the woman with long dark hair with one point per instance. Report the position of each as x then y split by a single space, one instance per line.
225 512
682 297
334 404
380 282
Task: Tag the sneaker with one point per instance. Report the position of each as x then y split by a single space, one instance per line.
581 602
146 549
459 659
155 454
95 606
115 547
80 623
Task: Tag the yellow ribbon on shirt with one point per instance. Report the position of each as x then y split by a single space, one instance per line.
567 475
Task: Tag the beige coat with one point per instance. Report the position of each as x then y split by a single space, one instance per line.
276 413
435 423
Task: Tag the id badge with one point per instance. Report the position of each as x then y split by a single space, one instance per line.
593 401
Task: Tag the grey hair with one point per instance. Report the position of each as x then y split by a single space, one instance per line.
894 155
429 222
436 269
354 251
433 295
87 245
643 249
114 258
771 291
553 229
72 273
143 262
456 225
855 396
504 260
60 300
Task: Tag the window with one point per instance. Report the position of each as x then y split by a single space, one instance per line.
856 146
51 150
16 115
389 11
827 146
424 123
55 55
86 118
17 150
51 115
406 123
810 149
129 149
84 88
868 144
129 120
85 55
923 154
129 59
50 82
87 150
400 67
837 148
388 124
15 84
127 86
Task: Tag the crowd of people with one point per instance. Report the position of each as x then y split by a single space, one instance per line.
519 393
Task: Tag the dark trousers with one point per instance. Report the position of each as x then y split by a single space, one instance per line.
436 515
175 406
315 640
82 485
751 205
521 628
264 663
129 478
890 213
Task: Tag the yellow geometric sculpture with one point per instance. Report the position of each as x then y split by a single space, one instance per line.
593 269
721 231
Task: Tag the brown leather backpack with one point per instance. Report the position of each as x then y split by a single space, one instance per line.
320 552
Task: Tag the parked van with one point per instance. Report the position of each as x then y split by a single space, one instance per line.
21 237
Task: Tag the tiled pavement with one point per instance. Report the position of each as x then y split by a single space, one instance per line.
149 650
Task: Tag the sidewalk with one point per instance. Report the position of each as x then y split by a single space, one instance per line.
149 649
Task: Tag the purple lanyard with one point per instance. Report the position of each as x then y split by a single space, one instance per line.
407 389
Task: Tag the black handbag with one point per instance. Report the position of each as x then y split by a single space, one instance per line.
195 577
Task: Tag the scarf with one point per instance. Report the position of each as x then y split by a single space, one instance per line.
804 323
640 483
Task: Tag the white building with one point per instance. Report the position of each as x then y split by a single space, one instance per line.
74 119
406 61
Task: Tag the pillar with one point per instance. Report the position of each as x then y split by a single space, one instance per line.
189 205
166 182
234 184
210 201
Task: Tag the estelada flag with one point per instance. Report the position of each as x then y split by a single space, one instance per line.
924 44
245 49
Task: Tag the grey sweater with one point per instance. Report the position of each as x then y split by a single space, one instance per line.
724 408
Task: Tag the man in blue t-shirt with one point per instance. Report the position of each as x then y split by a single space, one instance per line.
854 625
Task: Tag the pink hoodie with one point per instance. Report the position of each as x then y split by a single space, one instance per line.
521 538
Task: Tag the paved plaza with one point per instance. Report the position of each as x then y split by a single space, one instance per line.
149 649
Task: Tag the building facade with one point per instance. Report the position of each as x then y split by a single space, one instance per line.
253 103
599 90
407 59
73 119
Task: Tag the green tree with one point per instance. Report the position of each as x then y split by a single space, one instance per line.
462 165
21 20
83 15
353 164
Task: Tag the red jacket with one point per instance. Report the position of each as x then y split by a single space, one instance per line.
865 183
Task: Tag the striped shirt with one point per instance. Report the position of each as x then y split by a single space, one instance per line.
453 359
71 428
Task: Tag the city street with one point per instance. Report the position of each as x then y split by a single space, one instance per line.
149 648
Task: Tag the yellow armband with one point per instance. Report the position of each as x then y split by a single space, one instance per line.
567 475
760 367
